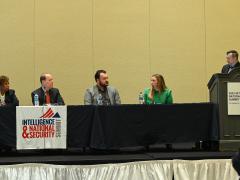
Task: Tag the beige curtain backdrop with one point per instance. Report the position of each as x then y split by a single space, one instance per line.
148 170
185 40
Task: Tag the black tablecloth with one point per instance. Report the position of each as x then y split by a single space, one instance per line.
106 127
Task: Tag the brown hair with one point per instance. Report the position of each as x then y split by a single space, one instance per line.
42 78
160 84
97 74
3 80
234 53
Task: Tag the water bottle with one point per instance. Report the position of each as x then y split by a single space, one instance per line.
36 100
141 98
99 99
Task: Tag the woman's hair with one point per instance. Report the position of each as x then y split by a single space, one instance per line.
3 80
160 85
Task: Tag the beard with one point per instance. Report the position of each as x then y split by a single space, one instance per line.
104 84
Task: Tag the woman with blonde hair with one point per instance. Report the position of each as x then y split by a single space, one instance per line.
158 93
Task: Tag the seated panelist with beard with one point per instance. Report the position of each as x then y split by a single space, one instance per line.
101 93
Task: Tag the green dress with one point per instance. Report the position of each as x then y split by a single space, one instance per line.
164 97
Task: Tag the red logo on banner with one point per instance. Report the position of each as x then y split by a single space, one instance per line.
50 114
47 126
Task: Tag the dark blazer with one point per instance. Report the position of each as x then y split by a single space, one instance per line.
226 67
55 96
11 98
236 162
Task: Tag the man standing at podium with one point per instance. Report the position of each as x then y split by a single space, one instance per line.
47 94
232 62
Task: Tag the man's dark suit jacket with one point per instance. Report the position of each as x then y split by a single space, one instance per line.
55 96
11 99
236 162
226 67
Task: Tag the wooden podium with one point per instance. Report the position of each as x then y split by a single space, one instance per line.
229 125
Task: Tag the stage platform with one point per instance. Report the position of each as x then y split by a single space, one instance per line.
103 157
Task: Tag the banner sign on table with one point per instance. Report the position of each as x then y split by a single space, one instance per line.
233 98
41 127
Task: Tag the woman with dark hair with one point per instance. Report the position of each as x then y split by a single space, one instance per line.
7 96
158 93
